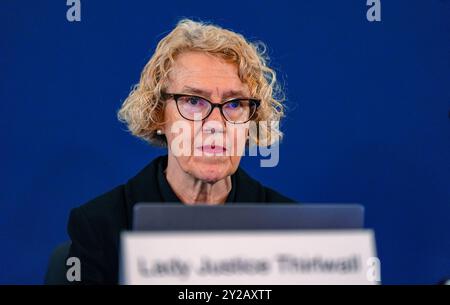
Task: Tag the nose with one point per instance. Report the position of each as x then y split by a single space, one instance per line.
216 116
214 123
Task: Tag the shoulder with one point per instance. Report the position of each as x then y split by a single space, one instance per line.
112 209
110 204
104 216
251 190
274 196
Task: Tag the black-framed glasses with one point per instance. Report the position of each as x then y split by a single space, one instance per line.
197 108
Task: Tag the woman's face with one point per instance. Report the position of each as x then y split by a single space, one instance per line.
209 150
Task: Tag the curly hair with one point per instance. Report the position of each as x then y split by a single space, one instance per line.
143 109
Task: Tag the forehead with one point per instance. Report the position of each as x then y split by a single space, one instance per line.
205 72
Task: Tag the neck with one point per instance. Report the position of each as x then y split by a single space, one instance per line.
191 190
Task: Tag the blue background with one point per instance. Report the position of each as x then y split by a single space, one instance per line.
368 116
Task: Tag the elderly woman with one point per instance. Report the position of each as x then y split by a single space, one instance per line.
210 83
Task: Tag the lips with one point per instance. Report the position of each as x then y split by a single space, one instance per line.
212 149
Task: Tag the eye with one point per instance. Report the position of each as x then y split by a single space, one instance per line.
194 101
234 104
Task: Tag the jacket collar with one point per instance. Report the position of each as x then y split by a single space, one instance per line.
146 186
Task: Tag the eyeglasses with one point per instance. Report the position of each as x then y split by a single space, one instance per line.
197 108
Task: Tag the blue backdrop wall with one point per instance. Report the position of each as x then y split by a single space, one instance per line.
368 118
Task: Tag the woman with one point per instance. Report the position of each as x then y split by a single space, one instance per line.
210 84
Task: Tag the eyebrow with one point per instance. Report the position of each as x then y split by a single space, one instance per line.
226 94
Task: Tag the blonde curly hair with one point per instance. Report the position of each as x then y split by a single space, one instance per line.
143 109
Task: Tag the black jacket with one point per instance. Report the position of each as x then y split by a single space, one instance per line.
95 227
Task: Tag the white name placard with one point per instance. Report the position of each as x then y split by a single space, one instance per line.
249 257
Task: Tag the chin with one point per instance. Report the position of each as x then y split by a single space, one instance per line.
211 169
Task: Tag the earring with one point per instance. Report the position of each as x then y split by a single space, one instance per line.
159 132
